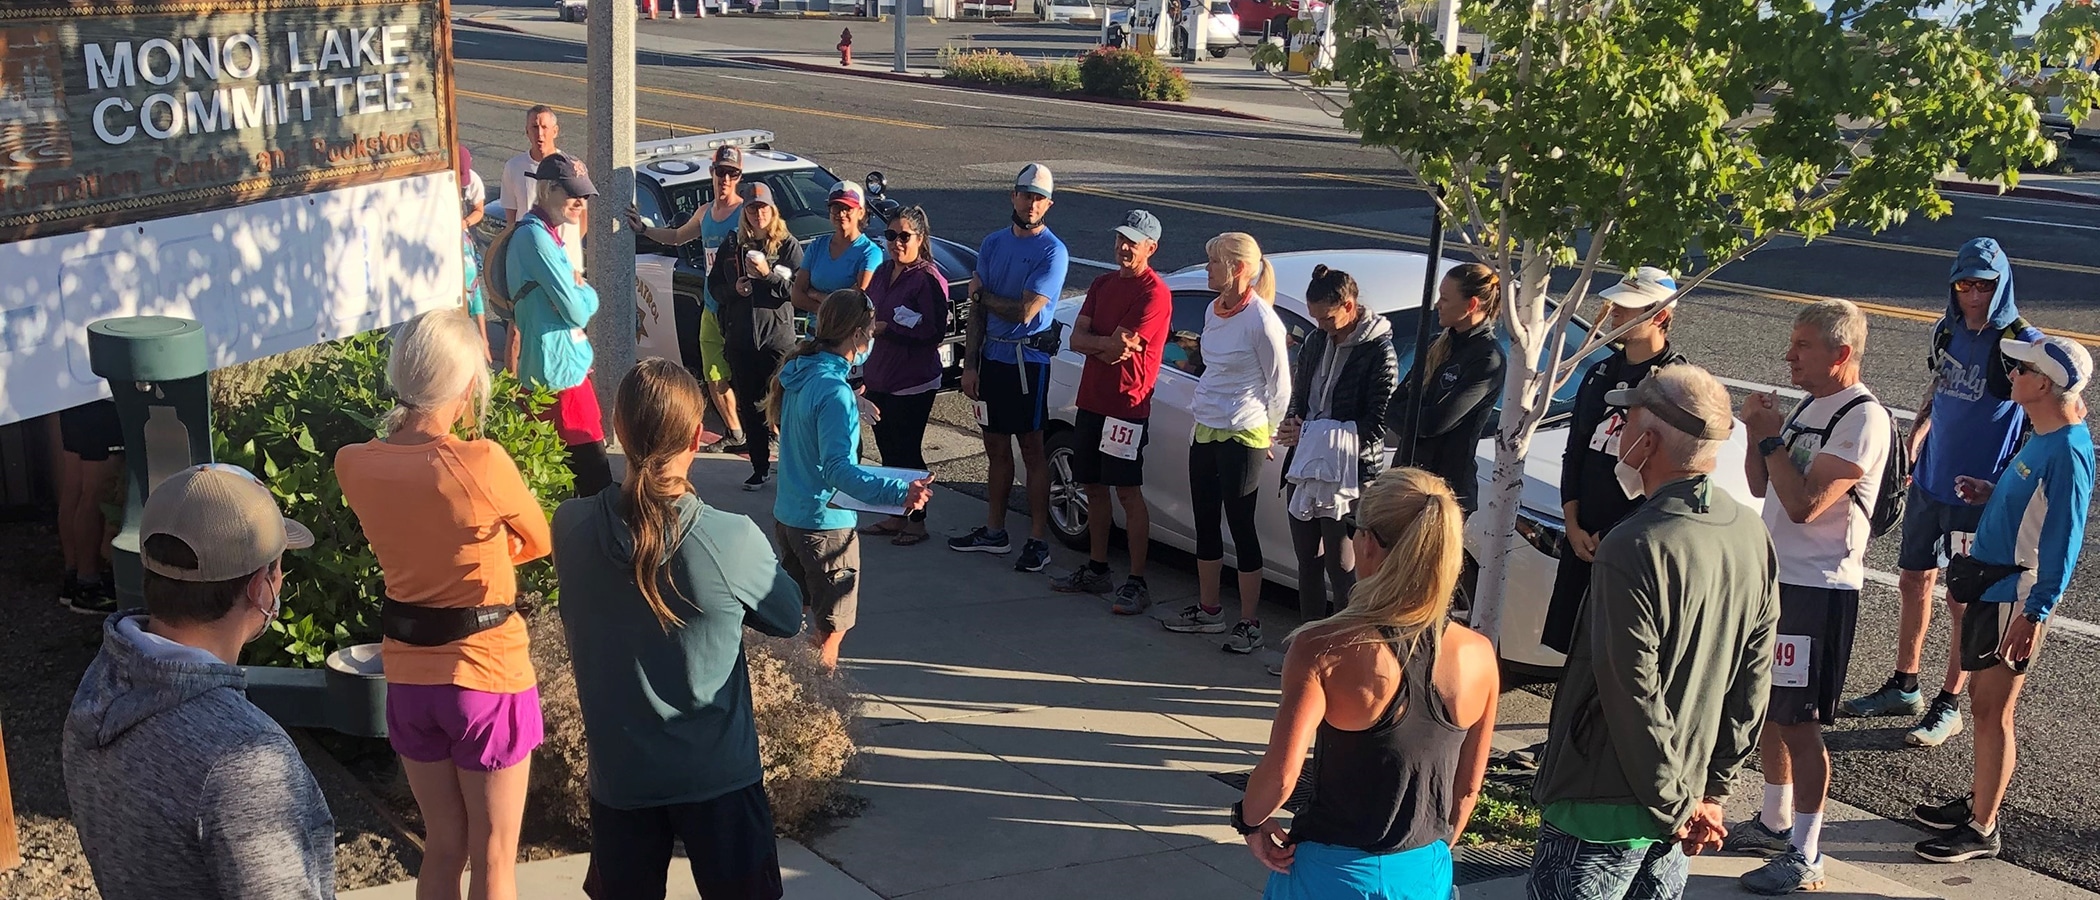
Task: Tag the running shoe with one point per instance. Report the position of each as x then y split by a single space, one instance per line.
1132 598
93 599
1035 555
1197 620
757 481
1891 700
1959 844
727 443
1942 721
981 540
1246 638
1084 580
1754 837
1784 874
1945 816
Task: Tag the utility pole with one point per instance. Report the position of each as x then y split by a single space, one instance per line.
609 249
1447 24
897 12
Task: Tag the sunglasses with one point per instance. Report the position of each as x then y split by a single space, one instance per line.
728 174
1973 285
898 237
1350 527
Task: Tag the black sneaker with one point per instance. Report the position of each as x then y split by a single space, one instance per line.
981 540
1132 598
757 481
68 587
1960 844
1083 580
725 444
1945 816
93 600
1035 555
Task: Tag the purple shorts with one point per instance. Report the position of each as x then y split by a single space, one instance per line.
474 730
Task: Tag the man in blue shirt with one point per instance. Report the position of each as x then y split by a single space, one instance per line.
1006 364
1968 427
2026 546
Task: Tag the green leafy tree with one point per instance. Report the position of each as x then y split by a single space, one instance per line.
288 430
1599 135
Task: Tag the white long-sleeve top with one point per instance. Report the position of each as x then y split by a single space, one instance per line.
1246 381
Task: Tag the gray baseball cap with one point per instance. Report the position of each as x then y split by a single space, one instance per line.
1035 179
1139 225
226 517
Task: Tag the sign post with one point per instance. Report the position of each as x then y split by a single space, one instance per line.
609 251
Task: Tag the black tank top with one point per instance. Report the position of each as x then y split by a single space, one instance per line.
1388 787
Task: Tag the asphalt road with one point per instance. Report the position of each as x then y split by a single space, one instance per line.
954 151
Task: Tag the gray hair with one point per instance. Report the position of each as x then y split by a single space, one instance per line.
1696 391
1839 322
435 359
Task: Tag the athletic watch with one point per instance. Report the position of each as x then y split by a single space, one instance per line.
2032 617
1770 445
1239 824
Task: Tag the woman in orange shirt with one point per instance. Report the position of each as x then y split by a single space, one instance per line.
449 519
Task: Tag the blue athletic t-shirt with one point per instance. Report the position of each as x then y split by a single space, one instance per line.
2036 518
712 234
1014 266
827 274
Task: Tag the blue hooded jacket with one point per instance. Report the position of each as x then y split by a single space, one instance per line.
820 447
1975 425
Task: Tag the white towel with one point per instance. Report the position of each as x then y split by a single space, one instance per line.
1323 470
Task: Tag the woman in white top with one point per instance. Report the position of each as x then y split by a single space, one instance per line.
1240 399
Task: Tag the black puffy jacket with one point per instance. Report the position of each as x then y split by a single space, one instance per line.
1361 393
766 319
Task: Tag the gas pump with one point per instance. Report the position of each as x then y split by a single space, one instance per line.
1150 29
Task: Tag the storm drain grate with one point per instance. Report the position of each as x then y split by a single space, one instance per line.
1300 795
1472 865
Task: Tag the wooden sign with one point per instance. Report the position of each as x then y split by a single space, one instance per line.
117 112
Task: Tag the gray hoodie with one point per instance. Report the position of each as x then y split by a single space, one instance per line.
181 788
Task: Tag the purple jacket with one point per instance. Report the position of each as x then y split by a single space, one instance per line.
905 357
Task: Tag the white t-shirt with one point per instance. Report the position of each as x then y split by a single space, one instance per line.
472 194
520 189
1829 550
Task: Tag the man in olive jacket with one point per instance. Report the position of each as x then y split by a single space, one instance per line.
1666 684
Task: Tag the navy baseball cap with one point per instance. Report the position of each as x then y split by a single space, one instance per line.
559 167
1139 225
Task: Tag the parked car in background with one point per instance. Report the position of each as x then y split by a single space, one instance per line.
1065 12
672 182
1391 283
1254 14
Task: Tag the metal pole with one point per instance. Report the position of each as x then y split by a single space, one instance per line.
903 48
609 248
1425 325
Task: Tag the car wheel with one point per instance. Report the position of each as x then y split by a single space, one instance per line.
1219 52
1068 507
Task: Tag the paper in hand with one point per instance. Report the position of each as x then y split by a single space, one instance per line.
907 317
841 500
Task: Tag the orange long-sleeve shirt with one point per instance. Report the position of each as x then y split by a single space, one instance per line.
449 519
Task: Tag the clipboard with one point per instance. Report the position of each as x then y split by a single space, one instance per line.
842 500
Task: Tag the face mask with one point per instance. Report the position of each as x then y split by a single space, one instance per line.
1629 476
276 606
1023 223
859 357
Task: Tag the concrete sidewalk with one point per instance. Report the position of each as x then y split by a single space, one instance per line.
1027 744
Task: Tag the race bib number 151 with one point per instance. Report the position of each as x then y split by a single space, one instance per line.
1119 438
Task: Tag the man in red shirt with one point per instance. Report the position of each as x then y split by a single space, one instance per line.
1122 329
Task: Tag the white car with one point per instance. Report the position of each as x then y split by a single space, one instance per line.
1065 12
1391 281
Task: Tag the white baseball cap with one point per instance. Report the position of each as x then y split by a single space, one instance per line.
1641 288
2065 361
1035 178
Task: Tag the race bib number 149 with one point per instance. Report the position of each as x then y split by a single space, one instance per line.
1790 661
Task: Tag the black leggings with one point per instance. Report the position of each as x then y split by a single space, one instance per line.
751 376
1224 477
900 435
1325 561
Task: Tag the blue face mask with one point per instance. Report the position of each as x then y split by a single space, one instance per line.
858 359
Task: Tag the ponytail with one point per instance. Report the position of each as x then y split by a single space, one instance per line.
656 414
1475 282
1240 247
1415 517
846 314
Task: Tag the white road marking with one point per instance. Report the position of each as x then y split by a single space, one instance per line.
2040 222
755 80
1095 263
946 103
2057 621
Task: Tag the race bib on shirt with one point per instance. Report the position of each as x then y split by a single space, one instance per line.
1790 661
984 416
1606 437
1120 439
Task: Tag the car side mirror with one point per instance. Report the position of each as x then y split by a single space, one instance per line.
875 184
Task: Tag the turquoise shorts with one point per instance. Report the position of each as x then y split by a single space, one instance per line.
1328 872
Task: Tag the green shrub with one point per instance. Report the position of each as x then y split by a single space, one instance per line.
1060 75
1130 75
287 427
995 67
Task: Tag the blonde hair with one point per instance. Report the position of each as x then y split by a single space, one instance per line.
656 414
435 358
845 316
1414 515
768 241
1240 247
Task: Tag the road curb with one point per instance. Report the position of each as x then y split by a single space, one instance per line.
492 26
2053 195
1161 105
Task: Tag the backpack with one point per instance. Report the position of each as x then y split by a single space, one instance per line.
495 275
1887 509
1997 373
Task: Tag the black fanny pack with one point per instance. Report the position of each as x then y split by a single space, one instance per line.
429 626
1968 577
1049 340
